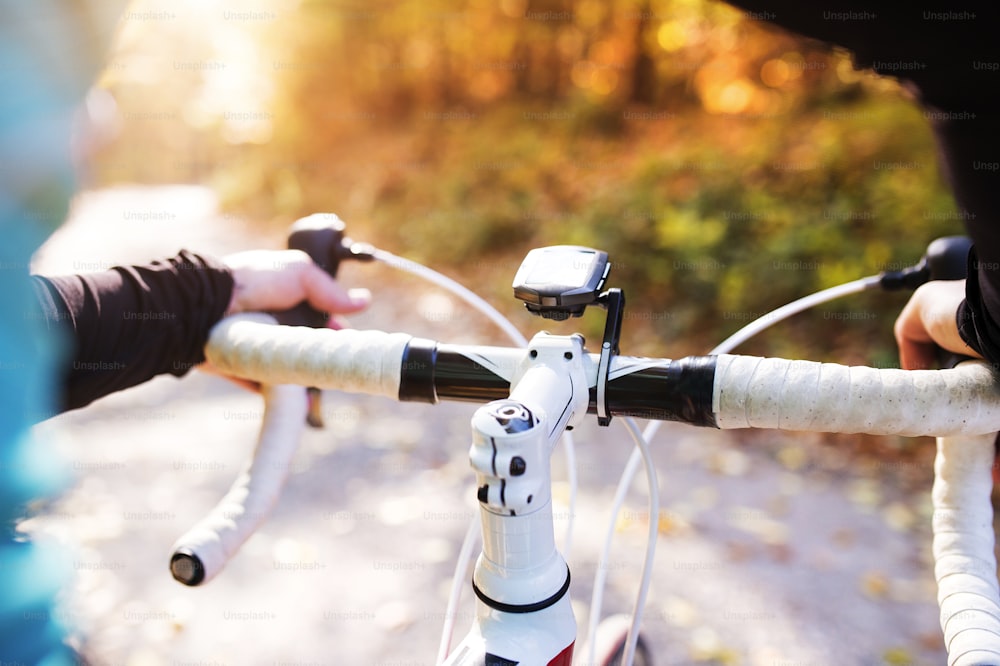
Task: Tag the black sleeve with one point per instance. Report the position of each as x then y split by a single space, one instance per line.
951 59
131 323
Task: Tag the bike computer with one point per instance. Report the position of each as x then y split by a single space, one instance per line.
560 281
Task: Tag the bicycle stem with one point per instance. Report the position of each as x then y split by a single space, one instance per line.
521 580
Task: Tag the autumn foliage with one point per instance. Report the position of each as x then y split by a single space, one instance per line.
725 165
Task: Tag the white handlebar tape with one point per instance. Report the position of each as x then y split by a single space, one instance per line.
202 553
354 361
965 566
752 392
283 359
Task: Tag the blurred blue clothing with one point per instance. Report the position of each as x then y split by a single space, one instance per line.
50 52
30 574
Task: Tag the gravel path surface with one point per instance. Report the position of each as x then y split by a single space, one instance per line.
773 550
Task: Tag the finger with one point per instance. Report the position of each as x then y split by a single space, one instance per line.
917 356
253 387
337 323
247 384
327 295
917 351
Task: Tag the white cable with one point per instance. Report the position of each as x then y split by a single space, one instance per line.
571 477
654 523
469 544
600 578
786 311
446 282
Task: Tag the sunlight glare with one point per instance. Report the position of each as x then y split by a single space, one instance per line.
671 36
775 73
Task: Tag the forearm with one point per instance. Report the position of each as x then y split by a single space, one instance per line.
129 324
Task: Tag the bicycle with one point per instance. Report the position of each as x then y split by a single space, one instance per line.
521 581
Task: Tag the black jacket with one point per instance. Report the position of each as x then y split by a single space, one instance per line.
129 324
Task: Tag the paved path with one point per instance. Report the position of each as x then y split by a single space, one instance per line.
773 551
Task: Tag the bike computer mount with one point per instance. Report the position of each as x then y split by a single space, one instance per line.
560 282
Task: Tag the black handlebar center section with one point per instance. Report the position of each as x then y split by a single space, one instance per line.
432 372
658 389
680 390
416 380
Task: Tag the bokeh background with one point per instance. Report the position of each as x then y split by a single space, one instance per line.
727 166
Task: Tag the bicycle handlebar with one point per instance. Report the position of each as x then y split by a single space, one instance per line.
960 405
965 564
206 548
725 391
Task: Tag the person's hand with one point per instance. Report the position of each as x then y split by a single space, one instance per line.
275 280
928 321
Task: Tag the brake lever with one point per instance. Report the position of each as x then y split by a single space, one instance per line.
321 236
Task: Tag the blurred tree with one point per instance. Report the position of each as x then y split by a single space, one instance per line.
644 82
727 165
